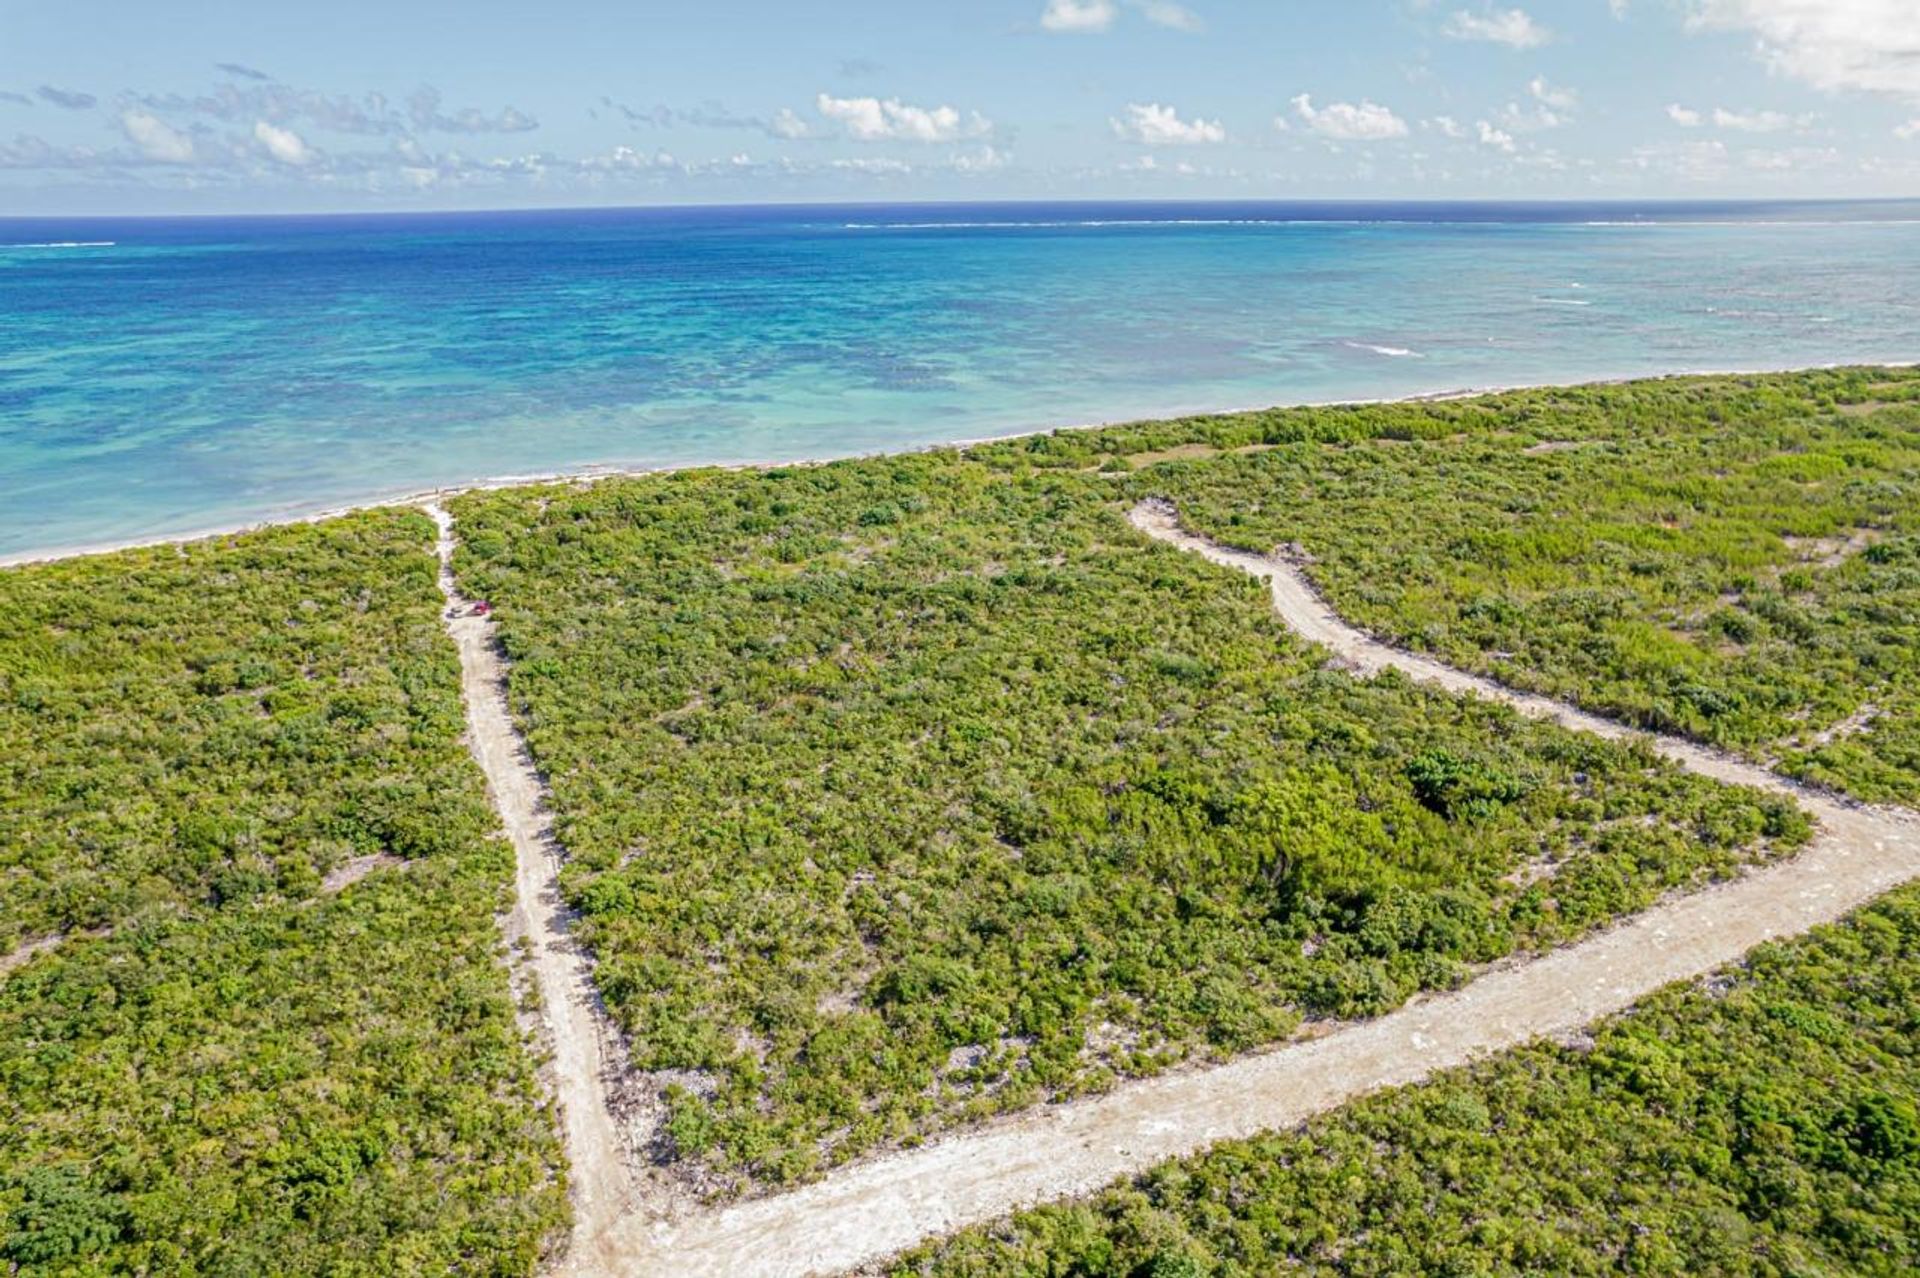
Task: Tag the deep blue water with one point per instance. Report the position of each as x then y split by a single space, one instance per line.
164 376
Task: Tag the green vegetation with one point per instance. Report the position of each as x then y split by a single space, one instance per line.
1735 559
230 1066
903 791
1762 1122
908 790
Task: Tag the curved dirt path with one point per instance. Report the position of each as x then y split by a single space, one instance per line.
869 1211
585 1054
1309 616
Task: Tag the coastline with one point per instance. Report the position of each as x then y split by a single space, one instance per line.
596 473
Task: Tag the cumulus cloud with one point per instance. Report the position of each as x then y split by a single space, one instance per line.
983 159
239 104
283 145
1713 161
626 159
156 139
1548 108
1498 139
1756 121
1737 121
1514 28
891 120
1164 13
1800 159
29 152
1445 125
658 116
785 125
1689 161
67 99
1078 16
423 111
1365 121
1085 17
1151 124
371 115
1866 45
885 165
174 156
1552 97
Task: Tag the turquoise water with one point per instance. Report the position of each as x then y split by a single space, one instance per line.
159 377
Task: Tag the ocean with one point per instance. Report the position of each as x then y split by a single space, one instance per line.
160 377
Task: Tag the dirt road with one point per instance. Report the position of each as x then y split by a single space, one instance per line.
584 1054
874 1209
871 1210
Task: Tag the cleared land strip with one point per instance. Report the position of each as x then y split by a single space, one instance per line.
875 1209
27 950
583 1057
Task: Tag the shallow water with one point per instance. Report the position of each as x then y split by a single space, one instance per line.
159 377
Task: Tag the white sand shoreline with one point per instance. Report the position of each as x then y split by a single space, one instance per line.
596 473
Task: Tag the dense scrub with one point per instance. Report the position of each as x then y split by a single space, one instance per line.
1736 559
1761 1122
188 727
229 1066
907 790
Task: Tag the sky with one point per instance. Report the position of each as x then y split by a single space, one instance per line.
117 107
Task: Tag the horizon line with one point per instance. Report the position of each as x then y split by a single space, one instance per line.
1664 202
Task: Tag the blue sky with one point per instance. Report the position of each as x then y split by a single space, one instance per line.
224 105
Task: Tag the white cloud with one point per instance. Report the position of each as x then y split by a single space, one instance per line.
1365 122
283 145
625 158
1514 28
1498 139
1867 45
1737 121
1911 129
869 164
1083 17
1446 126
1078 15
1151 124
423 109
1754 121
983 160
157 139
1693 161
1548 110
1794 160
1529 119
874 120
1549 96
787 125
1165 13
